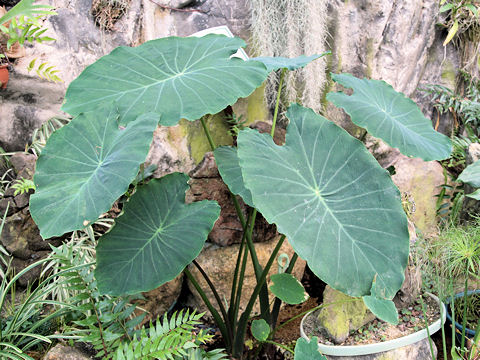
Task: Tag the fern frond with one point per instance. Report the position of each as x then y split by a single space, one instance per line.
167 339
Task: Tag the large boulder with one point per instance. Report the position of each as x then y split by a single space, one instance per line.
345 314
219 264
63 352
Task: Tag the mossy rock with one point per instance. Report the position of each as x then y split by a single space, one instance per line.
343 316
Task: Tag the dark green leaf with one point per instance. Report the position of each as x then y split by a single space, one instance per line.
338 208
229 168
288 289
305 350
277 62
390 116
155 239
176 77
85 167
260 329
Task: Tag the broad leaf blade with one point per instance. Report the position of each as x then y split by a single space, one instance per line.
471 174
176 77
288 289
305 350
475 195
273 63
260 329
155 239
339 209
229 168
85 167
382 308
391 116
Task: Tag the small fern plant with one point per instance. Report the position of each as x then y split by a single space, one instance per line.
170 339
99 320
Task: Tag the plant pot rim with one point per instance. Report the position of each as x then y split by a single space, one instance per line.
352 350
469 332
3 66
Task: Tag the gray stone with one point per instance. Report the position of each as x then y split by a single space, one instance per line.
175 4
63 352
417 351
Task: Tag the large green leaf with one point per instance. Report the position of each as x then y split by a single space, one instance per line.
229 168
308 350
339 209
471 174
155 239
277 62
176 77
391 116
85 167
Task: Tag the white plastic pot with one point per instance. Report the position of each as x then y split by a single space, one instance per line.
354 350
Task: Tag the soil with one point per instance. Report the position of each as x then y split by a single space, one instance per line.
411 320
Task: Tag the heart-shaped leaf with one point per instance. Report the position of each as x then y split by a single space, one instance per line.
155 239
471 174
260 329
339 209
85 167
308 350
176 77
391 116
288 289
382 308
277 62
229 168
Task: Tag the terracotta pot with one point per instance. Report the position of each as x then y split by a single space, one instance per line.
4 76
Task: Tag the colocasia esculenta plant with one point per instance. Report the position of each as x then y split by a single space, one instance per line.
327 195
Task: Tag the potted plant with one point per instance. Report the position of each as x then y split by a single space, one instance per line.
382 343
322 189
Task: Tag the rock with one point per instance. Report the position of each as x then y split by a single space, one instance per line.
410 289
21 238
206 183
175 4
160 300
219 264
62 352
21 161
420 181
417 351
339 319
395 40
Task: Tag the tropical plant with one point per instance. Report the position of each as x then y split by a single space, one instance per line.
21 24
22 186
324 191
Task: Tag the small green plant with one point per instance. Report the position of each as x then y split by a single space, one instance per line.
22 186
22 24
173 338
462 16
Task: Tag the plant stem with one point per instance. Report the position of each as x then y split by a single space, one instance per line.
240 255
213 311
277 103
465 299
278 302
280 346
424 311
207 133
240 286
242 324
217 298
